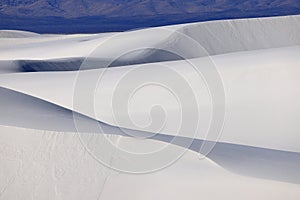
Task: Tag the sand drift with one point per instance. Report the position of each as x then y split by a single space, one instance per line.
187 111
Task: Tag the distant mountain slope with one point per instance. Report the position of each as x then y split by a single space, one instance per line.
87 16
125 8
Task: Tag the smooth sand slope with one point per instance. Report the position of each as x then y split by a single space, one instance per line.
52 165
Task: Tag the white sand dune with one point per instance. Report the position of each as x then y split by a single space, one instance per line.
191 40
262 81
45 100
16 34
20 110
194 179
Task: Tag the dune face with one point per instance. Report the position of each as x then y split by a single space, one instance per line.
49 53
129 114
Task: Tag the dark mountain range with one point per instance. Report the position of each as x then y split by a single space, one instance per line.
68 16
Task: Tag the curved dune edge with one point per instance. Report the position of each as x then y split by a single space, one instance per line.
215 37
261 81
29 112
38 116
